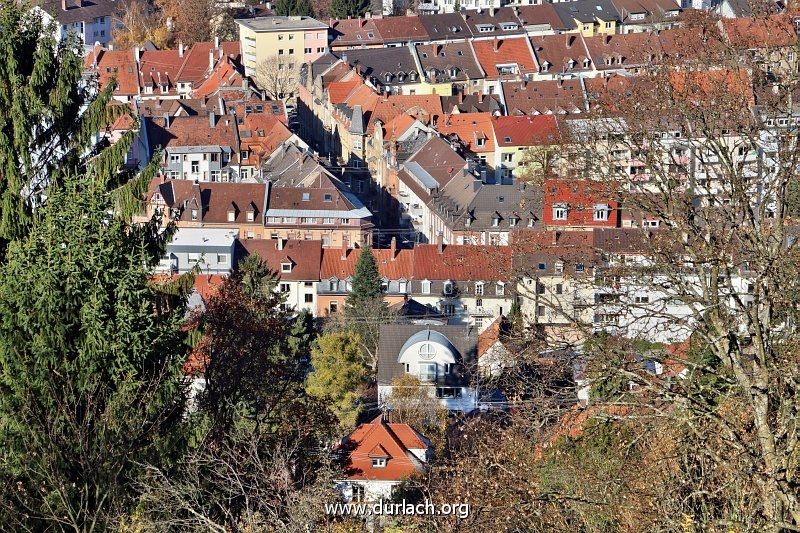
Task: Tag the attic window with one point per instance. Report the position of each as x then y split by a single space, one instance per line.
571 64
453 72
259 108
424 55
460 52
306 196
545 67
507 139
286 267
559 211
601 212
480 141
412 76
379 462
586 63
542 266
370 34
328 197
501 199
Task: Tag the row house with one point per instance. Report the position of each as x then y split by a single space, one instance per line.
574 204
504 59
201 70
465 284
544 97
317 211
524 144
296 264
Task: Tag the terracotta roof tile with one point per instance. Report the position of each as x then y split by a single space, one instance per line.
379 438
504 51
305 256
526 131
469 128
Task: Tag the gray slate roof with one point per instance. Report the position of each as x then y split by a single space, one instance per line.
394 336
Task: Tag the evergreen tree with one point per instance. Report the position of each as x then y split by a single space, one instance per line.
367 284
365 309
48 117
91 385
349 8
294 7
339 375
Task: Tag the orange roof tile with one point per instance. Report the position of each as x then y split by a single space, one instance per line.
494 52
536 130
469 127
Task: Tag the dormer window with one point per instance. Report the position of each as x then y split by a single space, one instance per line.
328 197
545 67
571 64
387 77
426 287
559 211
453 72
479 288
601 212
194 214
231 215
286 267
495 221
251 215
512 222
500 288
378 462
412 76
245 154
586 63
480 141
448 287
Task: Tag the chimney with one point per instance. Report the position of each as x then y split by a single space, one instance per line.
279 244
437 49
491 11
211 60
63 5
440 243
166 120
344 248
180 48
367 15
461 97
212 119
496 44
360 22
481 96
135 53
393 248
216 41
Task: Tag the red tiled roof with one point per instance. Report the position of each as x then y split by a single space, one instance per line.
540 130
338 90
305 257
544 97
462 263
770 32
195 63
117 62
404 28
580 197
381 439
334 266
491 53
469 127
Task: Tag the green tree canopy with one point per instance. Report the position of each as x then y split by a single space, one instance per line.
349 8
339 375
91 384
48 117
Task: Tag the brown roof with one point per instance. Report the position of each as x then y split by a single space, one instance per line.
770 32
217 199
401 29
542 14
543 97
305 256
351 32
540 130
444 56
119 63
624 50
195 131
558 51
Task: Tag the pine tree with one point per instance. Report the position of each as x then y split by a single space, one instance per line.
91 385
294 7
48 117
349 8
367 284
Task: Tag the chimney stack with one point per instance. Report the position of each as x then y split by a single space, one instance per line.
496 44
481 96
166 120
393 248
440 243
607 39
216 41
556 237
461 97
344 248
212 119
180 48
211 60
279 244
136 54
64 5
491 11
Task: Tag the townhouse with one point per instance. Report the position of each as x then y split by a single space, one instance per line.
504 59
297 266
523 144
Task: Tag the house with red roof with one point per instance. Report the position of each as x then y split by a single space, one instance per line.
517 139
580 204
377 457
504 58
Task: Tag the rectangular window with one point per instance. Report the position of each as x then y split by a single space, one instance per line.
222 259
195 167
307 50
284 287
174 159
601 212
559 212
540 310
448 393
559 288
251 216
308 298
427 371
479 289
333 306
500 289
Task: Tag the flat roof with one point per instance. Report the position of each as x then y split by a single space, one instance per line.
267 24
204 237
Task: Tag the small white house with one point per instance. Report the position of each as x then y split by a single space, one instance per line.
209 249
